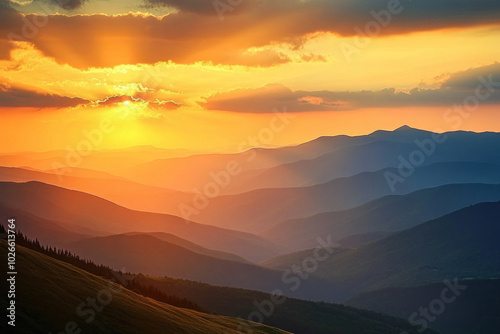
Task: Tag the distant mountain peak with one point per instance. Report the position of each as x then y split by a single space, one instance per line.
405 128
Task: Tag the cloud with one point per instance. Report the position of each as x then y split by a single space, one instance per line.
342 15
126 100
69 4
468 80
259 100
105 41
64 4
191 6
265 99
196 34
18 97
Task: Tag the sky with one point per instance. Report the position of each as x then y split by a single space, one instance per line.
224 75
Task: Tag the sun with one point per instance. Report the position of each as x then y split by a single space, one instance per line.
126 103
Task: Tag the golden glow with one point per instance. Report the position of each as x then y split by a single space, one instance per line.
161 104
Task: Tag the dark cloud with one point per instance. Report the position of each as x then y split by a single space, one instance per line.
154 104
69 4
334 13
17 97
455 90
406 16
259 100
105 41
468 80
197 34
191 6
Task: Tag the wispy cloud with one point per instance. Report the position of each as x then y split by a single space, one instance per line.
262 100
196 34
18 97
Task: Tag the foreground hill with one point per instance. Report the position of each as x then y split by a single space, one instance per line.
474 311
463 244
86 214
294 315
50 292
258 210
387 214
298 316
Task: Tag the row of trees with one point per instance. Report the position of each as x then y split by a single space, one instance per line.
103 271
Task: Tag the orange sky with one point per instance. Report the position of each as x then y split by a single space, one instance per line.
181 75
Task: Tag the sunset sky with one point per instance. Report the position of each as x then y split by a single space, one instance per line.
210 74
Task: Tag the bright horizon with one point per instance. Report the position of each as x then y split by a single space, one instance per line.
213 86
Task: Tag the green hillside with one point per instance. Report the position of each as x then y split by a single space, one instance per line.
49 293
297 316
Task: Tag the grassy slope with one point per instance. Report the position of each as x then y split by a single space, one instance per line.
49 292
298 316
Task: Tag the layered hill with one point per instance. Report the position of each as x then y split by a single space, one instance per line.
381 149
146 254
258 210
382 216
170 173
463 244
172 239
474 311
121 191
86 214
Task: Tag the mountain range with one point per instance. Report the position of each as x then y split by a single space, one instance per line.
462 244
